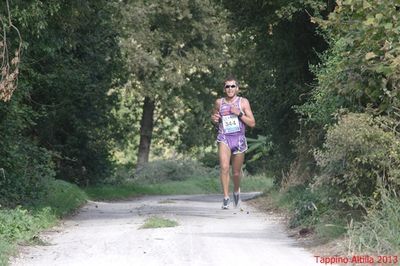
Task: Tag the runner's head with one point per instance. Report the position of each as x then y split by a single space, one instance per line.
231 86
231 78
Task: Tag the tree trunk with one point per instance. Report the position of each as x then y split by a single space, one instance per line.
146 132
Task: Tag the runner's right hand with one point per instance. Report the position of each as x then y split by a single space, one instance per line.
215 117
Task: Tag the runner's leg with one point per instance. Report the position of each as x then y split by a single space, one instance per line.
237 163
224 153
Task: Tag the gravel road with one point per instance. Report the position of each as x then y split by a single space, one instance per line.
109 233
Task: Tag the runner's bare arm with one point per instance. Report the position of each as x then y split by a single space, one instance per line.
248 117
215 113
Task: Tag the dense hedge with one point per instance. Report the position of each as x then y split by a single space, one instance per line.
58 121
358 159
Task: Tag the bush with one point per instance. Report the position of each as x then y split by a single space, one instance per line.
210 159
357 158
14 224
25 171
62 197
303 205
306 205
169 170
378 234
22 224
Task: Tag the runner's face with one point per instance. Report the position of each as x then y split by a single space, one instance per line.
231 88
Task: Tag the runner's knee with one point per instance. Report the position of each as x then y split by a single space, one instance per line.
236 173
224 169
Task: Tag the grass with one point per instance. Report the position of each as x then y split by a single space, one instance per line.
62 198
158 222
198 185
22 224
305 210
344 231
331 225
378 233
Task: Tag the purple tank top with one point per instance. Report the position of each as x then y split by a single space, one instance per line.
230 124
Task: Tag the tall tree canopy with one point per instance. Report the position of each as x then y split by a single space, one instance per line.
59 121
275 45
174 51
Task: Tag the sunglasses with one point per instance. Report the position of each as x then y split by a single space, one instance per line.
230 86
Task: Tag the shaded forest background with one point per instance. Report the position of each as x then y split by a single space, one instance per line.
90 87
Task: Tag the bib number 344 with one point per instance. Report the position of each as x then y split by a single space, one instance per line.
230 123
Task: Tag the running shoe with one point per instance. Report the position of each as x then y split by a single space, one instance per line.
236 198
225 203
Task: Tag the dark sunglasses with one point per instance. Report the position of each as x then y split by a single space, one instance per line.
230 86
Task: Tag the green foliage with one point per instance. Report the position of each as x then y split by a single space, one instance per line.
358 73
363 68
27 171
158 222
304 204
313 209
61 197
17 223
127 112
259 154
125 190
320 109
272 47
210 159
69 63
316 7
22 224
25 168
69 88
209 183
58 121
357 158
260 147
174 54
172 170
332 224
10 53
378 233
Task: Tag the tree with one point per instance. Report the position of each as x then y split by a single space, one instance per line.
25 167
275 44
169 45
361 69
9 60
71 60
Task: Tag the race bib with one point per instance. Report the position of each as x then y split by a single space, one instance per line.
230 123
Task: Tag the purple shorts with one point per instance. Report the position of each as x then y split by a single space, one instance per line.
237 143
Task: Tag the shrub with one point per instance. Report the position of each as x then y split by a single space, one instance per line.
62 197
16 223
170 170
25 171
378 234
25 167
357 158
307 206
303 203
22 224
210 159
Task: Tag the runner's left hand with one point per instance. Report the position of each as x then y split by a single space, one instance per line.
235 110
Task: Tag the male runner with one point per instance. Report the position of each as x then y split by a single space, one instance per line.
233 114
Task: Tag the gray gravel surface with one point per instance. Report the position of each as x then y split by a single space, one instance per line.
109 233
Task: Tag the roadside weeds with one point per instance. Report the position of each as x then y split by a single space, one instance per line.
305 237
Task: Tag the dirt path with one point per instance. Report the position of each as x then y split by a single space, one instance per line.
109 234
